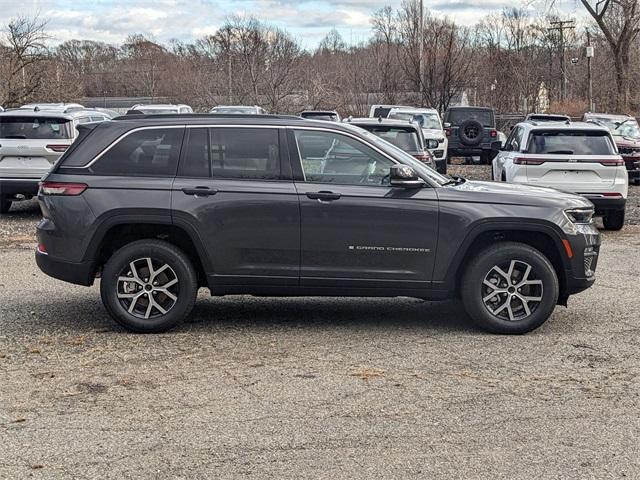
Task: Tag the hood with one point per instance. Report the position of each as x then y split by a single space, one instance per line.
626 141
517 194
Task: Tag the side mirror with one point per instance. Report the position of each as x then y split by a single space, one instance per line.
404 176
496 146
447 125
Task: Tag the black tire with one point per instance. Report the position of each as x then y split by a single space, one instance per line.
509 315
161 253
614 220
484 158
5 204
471 133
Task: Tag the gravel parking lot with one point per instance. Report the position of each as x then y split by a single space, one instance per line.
317 387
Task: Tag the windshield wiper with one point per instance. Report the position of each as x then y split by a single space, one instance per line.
561 152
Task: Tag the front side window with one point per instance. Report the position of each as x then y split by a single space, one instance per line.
32 128
149 152
571 142
333 158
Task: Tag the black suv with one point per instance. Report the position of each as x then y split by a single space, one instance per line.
159 206
471 131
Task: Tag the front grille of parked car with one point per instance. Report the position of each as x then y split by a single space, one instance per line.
438 153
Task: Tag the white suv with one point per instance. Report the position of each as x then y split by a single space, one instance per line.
32 138
434 137
576 157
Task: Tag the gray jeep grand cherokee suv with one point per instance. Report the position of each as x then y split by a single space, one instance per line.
158 206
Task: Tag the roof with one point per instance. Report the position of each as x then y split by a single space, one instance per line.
23 112
326 112
612 116
151 106
414 109
469 107
565 126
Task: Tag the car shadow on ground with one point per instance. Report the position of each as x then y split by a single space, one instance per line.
83 314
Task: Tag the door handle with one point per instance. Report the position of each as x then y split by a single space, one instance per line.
200 191
323 195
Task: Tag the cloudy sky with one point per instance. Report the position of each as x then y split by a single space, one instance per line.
308 20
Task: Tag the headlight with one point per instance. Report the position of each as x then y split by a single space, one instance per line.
579 216
432 143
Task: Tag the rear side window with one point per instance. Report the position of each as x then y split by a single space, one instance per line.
248 153
242 153
570 142
150 152
33 128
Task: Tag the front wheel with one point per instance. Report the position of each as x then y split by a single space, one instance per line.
509 288
149 286
614 220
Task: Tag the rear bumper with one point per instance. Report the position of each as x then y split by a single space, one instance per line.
19 186
82 273
462 151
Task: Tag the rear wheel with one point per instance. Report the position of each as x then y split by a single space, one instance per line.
510 288
149 286
5 204
614 220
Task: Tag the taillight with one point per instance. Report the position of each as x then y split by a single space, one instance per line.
58 148
493 134
527 161
60 188
618 162
447 131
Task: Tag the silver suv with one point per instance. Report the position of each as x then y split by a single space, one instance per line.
31 140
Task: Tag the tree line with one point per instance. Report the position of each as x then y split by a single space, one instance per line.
510 60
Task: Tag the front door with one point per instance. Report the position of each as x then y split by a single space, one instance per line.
356 230
231 188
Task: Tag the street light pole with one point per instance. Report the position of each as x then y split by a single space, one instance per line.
589 54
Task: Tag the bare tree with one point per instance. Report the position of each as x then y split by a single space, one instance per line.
619 21
22 53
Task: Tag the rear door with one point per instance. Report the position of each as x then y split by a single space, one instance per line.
235 192
358 231
31 144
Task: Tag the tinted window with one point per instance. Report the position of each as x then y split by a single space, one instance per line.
235 110
333 158
456 117
515 140
252 153
45 128
196 161
425 120
329 117
570 142
402 137
151 152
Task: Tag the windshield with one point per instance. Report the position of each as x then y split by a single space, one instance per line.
405 138
234 110
571 142
35 128
425 120
402 156
329 117
628 128
457 116
153 111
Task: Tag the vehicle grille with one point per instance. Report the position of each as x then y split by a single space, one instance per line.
590 260
438 153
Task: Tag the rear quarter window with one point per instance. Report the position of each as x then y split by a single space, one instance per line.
570 142
149 152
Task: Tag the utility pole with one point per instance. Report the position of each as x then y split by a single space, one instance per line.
421 54
589 55
561 26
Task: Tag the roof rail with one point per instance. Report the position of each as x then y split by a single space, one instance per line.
161 116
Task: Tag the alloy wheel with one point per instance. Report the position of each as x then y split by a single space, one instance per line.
147 288
512 291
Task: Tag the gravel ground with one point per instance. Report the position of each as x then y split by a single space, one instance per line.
315 387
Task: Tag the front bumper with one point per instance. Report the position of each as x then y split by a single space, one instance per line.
19 186
585 251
